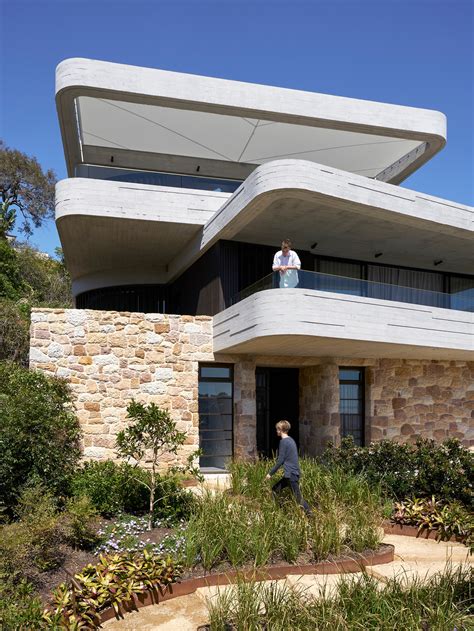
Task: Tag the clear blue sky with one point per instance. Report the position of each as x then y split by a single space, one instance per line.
408 52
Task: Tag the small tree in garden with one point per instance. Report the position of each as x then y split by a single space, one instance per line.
152 433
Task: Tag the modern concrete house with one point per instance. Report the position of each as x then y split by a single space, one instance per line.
179 193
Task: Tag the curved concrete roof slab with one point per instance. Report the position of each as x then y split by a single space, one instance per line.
348 215
161 120
330 325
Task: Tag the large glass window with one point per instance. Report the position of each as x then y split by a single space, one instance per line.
157 179
215 415
351 403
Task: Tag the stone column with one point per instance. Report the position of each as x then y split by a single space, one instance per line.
319 408
245 409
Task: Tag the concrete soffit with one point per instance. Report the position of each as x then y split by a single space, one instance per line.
424 130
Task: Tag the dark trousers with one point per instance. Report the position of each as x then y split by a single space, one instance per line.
295 489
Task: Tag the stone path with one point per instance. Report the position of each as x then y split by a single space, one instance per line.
413 557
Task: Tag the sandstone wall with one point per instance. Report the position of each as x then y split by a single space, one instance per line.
319 407
110 358
428 399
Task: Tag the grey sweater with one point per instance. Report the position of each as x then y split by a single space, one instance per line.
288 459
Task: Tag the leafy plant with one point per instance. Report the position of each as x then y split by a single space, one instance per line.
111 487
116 488
422 470
151 433
20 608
39 434
31 544
447 519
80 523
112 582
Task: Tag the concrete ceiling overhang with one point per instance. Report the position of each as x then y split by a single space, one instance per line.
123 233
160 120
347 215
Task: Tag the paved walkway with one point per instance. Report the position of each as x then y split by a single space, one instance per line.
413 557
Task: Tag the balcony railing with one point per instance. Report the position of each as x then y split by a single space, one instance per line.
462 300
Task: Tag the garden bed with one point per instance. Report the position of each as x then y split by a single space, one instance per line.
196 579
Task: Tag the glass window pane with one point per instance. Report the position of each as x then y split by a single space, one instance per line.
215 388
349 390
215 405
216 447
220 462
222 372
215 434
351 375
215 421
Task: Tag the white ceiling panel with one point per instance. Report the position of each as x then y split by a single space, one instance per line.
184 132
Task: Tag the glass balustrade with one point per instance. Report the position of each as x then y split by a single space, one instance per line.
461 300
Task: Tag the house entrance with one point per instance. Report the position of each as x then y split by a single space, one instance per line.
277 394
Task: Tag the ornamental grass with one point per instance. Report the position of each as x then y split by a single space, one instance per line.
247 526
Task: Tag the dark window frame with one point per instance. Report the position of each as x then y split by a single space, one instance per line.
361 382
230 380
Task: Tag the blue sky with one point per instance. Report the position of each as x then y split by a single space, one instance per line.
409 52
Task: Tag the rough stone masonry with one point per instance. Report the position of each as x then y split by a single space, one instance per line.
110 357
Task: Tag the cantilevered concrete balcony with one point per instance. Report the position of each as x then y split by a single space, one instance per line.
347 317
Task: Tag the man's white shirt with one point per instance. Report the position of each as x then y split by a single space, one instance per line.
290 277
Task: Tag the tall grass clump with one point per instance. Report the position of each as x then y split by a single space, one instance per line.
246 525
443 602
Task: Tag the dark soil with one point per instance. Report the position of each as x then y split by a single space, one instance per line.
74 560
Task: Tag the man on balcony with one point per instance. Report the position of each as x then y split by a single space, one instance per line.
287 263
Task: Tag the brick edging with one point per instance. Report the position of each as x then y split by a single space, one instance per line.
344 565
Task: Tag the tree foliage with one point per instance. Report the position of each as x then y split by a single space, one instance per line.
28 279
39 434
24 188
151 433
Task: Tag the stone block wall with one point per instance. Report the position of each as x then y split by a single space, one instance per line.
405 400
319 407
110 357
409 399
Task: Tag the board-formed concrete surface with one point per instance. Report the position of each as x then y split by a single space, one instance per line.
138 111
321 323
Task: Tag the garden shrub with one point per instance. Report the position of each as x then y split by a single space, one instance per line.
19 607
246 525
422 470
80 523
114 488
39 434
31 544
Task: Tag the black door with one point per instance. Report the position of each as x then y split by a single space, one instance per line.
277 391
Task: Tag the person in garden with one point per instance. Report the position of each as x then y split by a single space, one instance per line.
288 459
287 262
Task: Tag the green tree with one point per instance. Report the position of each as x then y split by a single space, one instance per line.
39 433
24 188
152 433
